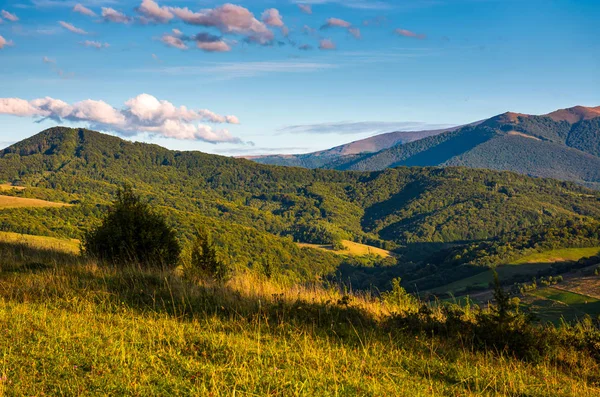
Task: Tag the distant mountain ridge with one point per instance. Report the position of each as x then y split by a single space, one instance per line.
564 144
368 145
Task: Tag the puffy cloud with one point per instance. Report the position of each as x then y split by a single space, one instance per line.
272 17
336 22
112 15
173 41
340 23
143 113
305 8
153 12
52 106
83 10
49 60
94 44
18 107
72 28
11 17
327 44
204 41
408 33
228 18
210 43
4 42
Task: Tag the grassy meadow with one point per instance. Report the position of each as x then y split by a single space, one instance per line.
69 326
22 202
528 265
351 248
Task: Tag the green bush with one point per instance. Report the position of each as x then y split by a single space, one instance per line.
204 262
133 233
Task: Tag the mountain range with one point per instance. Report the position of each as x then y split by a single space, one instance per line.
564 144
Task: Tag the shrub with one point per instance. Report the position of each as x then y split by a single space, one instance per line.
204 262
133 232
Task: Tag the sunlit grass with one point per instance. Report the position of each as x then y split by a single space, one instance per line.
21 202
77 328
558 255
351 248
51 243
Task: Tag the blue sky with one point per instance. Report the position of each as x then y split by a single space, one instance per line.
258 83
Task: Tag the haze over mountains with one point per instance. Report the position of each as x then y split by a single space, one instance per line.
564 144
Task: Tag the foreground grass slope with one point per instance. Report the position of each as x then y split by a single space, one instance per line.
72 327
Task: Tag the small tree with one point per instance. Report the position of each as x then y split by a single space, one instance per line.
132 232
503 303
204 261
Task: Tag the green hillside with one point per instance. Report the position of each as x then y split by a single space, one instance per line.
257 212
72 326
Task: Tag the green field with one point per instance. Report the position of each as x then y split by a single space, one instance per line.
559 255
484 279
566 297
554 305
528 265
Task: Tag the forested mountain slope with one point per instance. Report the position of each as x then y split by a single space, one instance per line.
258 210
564 144
368 145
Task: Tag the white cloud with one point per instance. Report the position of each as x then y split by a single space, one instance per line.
173 41
94 44
305 8
336 22
213 46
272 17
408 33
228 18
11 17
142 114
361 127
72 28
358 4
112 15
5 43
327 44
355 32
151 10
204 41
83 10
232 70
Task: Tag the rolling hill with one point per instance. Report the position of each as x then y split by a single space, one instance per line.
257 212
564 144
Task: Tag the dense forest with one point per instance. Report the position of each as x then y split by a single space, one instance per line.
257 212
